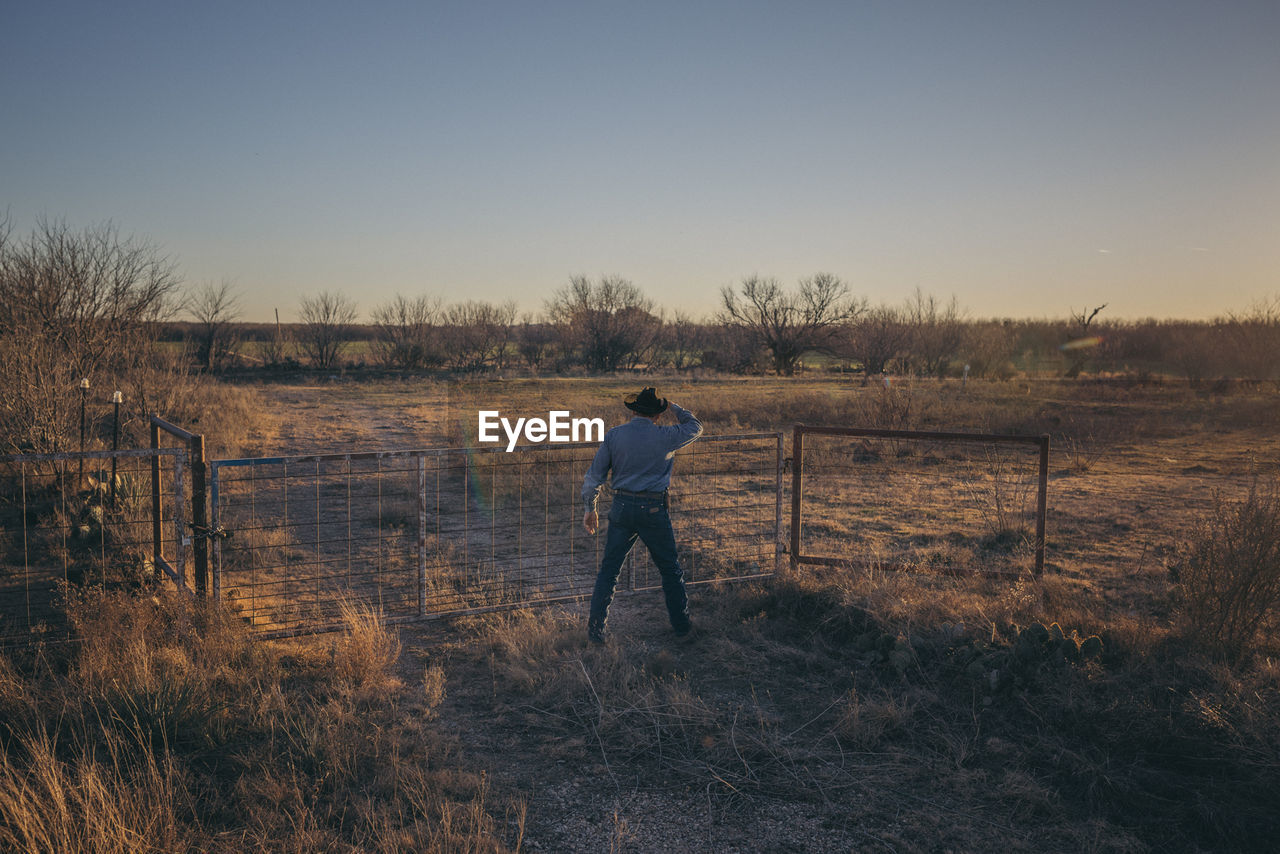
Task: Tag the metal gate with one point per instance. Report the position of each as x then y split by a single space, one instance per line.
911 499
438 532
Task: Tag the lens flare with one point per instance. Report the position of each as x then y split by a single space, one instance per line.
1082 343
479 483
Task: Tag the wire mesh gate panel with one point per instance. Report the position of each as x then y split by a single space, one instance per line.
953 502
76 520
449 531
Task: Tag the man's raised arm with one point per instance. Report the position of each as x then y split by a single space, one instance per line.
687 429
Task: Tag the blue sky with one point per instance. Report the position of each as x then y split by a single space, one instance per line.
1025 157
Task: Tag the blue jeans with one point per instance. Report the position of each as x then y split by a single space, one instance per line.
631 517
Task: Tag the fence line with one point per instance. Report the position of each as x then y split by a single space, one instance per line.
437 532
67 528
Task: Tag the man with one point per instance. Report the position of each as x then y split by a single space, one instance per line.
640 455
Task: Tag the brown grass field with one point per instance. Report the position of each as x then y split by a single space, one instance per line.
829 709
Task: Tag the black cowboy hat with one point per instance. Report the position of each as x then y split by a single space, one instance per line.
646 402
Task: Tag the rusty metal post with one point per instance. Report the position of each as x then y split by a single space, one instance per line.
797 489
1042 501
116 400
157 543
199 515
778 545
422 535
84 394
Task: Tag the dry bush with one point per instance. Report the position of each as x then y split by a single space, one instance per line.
477 334
235 420
365 657
1229 574
73 305
88 803
325 330
603 325
166 726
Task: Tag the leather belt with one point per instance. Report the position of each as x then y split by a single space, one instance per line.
630 494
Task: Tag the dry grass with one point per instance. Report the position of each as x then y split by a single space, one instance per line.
856 700
167 727
1229 577
828 710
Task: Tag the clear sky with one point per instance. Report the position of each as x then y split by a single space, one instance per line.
1028 157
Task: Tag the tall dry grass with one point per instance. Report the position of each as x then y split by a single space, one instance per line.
988 708
166 727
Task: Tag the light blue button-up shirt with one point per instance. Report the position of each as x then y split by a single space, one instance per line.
640 454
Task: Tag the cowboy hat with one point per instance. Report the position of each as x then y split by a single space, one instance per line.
646 402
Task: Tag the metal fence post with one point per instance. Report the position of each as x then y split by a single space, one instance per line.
1042 501
797 488
157 544
199 515
422 535
778 545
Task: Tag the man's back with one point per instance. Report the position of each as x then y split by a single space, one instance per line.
640 454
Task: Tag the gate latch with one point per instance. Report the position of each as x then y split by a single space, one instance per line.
208 533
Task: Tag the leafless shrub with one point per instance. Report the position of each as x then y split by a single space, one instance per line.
988 349
604 325
681 342
1251 341
326 321
408 332
1193 350
477 335
73 305
937 332
215 309
875 339
1080 333
1229 575
789 324
732 348
535 341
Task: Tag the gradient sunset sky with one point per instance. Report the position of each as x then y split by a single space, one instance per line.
1026 157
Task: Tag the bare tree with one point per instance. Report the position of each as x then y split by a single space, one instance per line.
681 341
408 332
606 325
73 305
326 321
534 340
789 324
988 348
876 338
1082 345
215 310
730 348
1085 318
937 331
477 335
1251 341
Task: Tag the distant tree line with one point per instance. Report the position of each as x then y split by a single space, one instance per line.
607 324
93 305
